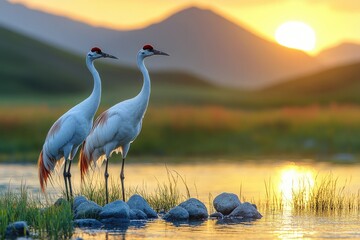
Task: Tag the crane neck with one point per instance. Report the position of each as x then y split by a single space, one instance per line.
91 104
144 95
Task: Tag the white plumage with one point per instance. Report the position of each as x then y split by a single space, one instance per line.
70 130
116 128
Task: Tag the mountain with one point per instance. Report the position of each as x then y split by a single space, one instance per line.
199 41
339 84
34 69
31 67
341 54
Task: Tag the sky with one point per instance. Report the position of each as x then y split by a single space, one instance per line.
334 21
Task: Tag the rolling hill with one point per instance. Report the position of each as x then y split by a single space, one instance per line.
342 54
31 68
199 41
339 84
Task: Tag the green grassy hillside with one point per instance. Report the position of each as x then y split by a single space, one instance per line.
335 85
186 116
30 67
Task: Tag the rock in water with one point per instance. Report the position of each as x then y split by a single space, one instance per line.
136 214
196 209
87 209
79 200
87 223
17 229
177 214
226 203
138 202
115 214
245 210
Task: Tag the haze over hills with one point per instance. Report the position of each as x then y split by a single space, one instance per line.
199 41
339 84
341 54
32 68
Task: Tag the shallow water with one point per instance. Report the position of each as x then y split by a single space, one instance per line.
205 178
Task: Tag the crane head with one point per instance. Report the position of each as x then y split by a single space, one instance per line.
148 51
96 53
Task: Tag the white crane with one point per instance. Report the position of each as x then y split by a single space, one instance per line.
70 130
116 128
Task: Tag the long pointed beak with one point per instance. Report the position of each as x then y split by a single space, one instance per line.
157 52
106 55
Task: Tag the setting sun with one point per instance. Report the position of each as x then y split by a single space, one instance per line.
296 35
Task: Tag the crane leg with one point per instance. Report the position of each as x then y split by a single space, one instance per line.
122 177
69 179
106 175
65 179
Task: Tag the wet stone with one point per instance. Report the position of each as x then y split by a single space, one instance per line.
245 210
115 215
88 209
17 229
226 203
138 202
78 200
136 214
177 214
115 223
195 208
87 223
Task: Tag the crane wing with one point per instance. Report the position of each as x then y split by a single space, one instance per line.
59 135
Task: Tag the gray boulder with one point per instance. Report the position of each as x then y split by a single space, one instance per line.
138 202
79 200
116 209
177 214
136 214
196 209
87 223
87 209
226 203
17 229
245 210
115 223
115 215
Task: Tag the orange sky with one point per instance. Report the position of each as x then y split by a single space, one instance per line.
334 21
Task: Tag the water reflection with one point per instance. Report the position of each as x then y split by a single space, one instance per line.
202 178
295 178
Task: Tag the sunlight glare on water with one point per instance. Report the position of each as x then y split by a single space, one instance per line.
294 178
206 177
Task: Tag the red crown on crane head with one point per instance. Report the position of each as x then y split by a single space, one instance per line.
148 47
96 49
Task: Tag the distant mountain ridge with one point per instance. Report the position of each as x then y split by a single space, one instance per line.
339 84
199 41
342 54
33 68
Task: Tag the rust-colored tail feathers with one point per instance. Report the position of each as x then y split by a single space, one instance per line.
43 172
83 162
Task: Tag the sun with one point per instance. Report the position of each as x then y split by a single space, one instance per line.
295 34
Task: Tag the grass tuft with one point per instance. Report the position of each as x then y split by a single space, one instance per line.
322 195
326 195
45 220
165 196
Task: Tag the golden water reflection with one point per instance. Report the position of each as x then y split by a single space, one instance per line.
204 179
295 178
